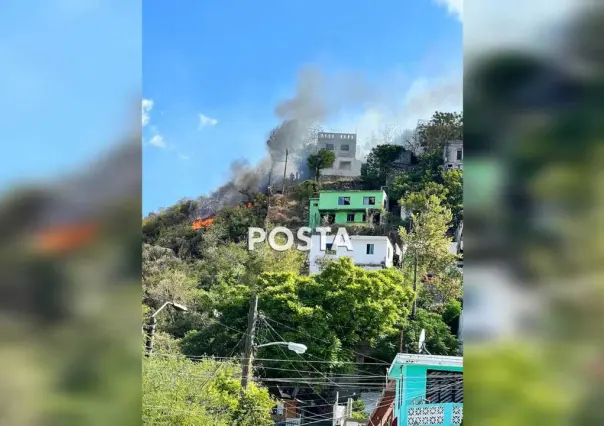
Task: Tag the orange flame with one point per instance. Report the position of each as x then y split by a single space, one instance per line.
202 223
65 238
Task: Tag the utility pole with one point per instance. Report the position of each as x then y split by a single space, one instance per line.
414 284
269 191
150 331
284 171
246 375
400 345
335 410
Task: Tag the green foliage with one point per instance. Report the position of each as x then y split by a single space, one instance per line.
443 126
513 384
439 338
428 236
378 167
305 190
323 159
177 391
358 409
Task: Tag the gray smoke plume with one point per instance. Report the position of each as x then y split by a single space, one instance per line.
317 98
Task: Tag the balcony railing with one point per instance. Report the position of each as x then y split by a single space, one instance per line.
434 414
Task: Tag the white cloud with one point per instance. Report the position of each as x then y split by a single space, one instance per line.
158 141
205 121
455 7
147 106
183 156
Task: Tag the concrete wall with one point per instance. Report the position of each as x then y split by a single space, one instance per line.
450 156
383 251
344 146
328 202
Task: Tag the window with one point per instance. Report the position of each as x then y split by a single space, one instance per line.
329 249
370 248
345 147
280 409
459 154
350 217
449 166
443 387
345 165
344 201
364 217
369 201
329 146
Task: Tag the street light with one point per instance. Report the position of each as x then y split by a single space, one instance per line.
150 329
298 348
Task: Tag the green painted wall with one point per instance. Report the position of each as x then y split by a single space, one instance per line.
328 202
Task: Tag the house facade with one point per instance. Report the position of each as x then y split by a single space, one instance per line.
429 390
370 252
344 146
347 207
453 155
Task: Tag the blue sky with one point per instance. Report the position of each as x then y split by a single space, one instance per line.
232 61
70 81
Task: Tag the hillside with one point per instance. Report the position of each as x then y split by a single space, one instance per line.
350 318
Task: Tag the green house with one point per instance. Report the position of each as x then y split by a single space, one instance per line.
347 207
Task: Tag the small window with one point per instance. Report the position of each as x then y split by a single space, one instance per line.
369 201
370 248
345 147
350 217
344 201
449 166
345 165
459 154
329 249
364 217
329 146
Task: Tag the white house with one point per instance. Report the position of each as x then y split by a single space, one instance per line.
344 146
453 155
368 251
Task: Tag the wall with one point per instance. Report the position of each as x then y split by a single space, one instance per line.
328 202
383 252
414 387
337 170
338 140
450 155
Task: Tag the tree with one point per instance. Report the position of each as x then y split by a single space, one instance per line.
428 236
321 160
452 181
378 167
181 392
442 127
439 338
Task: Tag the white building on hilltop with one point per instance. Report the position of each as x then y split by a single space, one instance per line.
344 146
370 252
453 155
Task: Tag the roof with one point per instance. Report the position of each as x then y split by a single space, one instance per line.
351 190
427 360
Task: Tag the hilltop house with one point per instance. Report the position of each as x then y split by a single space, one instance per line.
370 252
429 389
344 146
347 207
453 155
